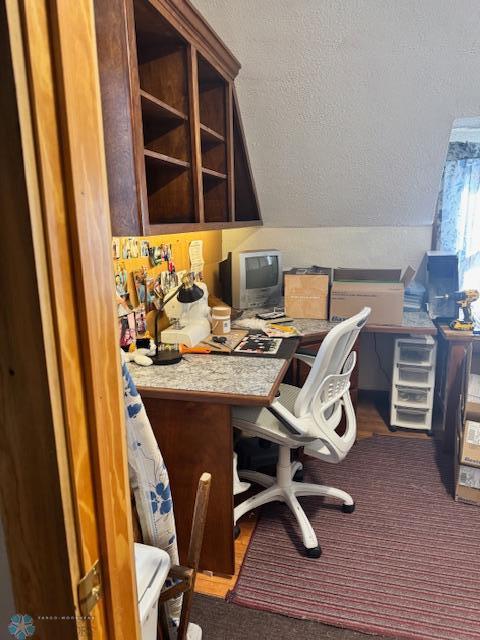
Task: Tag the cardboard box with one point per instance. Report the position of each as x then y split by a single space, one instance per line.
470 444
306 293
472 406
380 289
467 488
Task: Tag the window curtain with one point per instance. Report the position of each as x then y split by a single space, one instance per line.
458 212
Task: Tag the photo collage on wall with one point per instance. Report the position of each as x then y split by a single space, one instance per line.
140 286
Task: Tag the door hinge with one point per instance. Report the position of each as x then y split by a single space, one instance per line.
90 589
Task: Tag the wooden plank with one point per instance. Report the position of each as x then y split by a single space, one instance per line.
156 107
209 135
121 114
196 145
161 158
214 174
56 233
33 452
78 99
230 153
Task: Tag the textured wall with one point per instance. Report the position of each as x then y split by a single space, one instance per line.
337 247
348 104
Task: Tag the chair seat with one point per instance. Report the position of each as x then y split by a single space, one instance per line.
259 421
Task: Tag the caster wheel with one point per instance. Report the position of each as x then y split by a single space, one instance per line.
392 428
298 476
236 531
430 433
313 552
348 508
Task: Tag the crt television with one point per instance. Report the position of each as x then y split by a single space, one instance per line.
252 279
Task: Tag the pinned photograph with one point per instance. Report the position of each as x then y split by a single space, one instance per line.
155 254
116 248
144 249
139 279
121 291
127 330
126 248
134 248
140 320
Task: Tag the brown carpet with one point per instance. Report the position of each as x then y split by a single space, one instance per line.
223 621
406 564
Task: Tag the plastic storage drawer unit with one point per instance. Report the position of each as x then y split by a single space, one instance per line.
413 382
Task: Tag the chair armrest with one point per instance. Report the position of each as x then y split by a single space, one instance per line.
287 418
305 357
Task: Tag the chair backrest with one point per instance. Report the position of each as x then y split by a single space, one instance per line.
330 358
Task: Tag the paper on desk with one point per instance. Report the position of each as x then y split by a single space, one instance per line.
195 251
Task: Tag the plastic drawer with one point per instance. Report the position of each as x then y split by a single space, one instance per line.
414 376
412 418
414 354
413 396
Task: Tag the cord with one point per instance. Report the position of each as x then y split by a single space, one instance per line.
387 377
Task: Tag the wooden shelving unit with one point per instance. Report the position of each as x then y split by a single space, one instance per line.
174 145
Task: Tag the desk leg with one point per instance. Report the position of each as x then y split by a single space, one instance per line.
195 437
457 358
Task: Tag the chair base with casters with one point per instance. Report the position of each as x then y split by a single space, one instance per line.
283 488
307 418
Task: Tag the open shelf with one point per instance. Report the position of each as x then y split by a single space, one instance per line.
167 161
169 191
246 203
156 109
209 136
215 175
169 137
162 61
215 201
212 94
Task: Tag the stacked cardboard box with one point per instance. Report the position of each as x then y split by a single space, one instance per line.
306 292
468 475
380 289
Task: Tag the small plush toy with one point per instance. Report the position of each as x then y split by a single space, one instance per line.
140 356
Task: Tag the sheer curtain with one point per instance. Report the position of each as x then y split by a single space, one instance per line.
459 210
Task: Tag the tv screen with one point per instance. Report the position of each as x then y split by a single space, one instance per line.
261 272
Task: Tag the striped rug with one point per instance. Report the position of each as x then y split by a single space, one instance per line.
406 564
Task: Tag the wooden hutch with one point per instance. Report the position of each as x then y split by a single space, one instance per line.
176 153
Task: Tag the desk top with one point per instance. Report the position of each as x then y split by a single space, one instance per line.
416 322
224 379
453 335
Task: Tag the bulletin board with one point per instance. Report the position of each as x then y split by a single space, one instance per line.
178 247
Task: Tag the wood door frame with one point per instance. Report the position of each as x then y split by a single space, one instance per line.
62 424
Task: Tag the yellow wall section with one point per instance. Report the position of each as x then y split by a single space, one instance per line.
212 255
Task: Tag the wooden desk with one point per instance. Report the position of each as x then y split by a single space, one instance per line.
314 331
189 405
453 367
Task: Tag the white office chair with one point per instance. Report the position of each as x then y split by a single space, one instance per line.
307 417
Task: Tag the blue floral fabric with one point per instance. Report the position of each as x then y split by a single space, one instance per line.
149 479
458 211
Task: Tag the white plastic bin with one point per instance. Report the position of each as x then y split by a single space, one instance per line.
412 418
151 569
412 396
414 376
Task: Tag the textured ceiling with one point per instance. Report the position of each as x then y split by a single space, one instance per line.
348 104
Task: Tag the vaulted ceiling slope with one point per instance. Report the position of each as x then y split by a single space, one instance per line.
348 104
